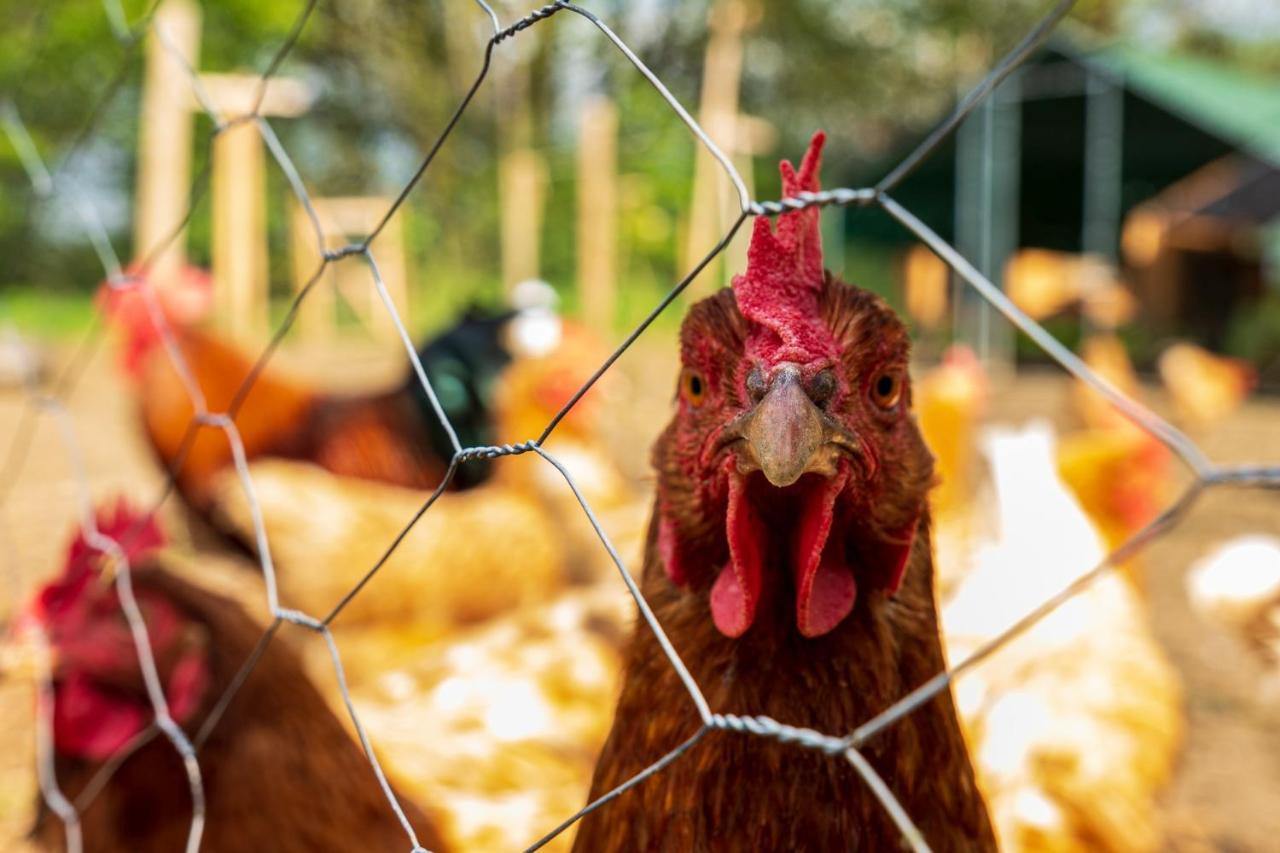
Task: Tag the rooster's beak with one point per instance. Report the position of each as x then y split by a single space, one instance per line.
785 429
788 434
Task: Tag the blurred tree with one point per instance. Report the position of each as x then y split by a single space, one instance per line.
873 73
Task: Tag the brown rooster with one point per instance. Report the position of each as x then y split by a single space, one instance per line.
392 436
789 561
279 770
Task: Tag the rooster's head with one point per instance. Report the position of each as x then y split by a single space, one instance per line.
792 478
138 303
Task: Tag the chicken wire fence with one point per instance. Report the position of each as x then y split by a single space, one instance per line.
48 403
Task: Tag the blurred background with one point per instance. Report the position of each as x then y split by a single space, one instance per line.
1141 136
1122 187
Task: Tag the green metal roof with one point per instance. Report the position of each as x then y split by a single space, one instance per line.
1241 108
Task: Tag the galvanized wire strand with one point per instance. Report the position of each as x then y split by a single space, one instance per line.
38 174
199 186
488 10
528 21
364 738
28 156
201 415
657 766
744 197
108 93
994 77
838 197
197 88
286 47
219 708
1165 432
699 701
97 111
37 640
44 183
108 547
151 677
46 774
911 835
395 543
98 782
942 681
295 180
430 157
255 509
118 20
639 329
762 726
410 350
1256 476
1169 435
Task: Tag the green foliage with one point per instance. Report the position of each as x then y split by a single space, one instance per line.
43 314
1255 333
388 76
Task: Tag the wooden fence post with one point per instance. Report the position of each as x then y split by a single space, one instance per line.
598 213
240 271
714 201
522 180
343 219
165 139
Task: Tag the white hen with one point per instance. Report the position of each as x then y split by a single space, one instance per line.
1237 585
1075 724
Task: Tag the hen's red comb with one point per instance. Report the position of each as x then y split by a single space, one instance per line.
137 533
778 292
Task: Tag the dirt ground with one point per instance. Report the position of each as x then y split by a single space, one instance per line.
1225 796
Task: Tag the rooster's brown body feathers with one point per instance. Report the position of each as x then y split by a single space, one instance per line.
380 437
789 562
740 792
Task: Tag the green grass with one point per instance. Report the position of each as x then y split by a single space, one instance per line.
437 297
43 314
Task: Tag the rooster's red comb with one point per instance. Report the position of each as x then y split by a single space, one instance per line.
778 292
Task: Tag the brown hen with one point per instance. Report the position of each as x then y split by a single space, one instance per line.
280 772
789 562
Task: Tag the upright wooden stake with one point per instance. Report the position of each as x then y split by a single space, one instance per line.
522 172
713 195
345 219
522 181
598 212
164 138
239 232
315 316
239 197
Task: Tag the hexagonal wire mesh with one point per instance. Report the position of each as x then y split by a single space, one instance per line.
40 402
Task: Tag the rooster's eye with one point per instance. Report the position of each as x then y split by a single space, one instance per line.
886 390
692 387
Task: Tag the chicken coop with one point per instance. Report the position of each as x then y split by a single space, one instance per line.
1169 159
602 426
